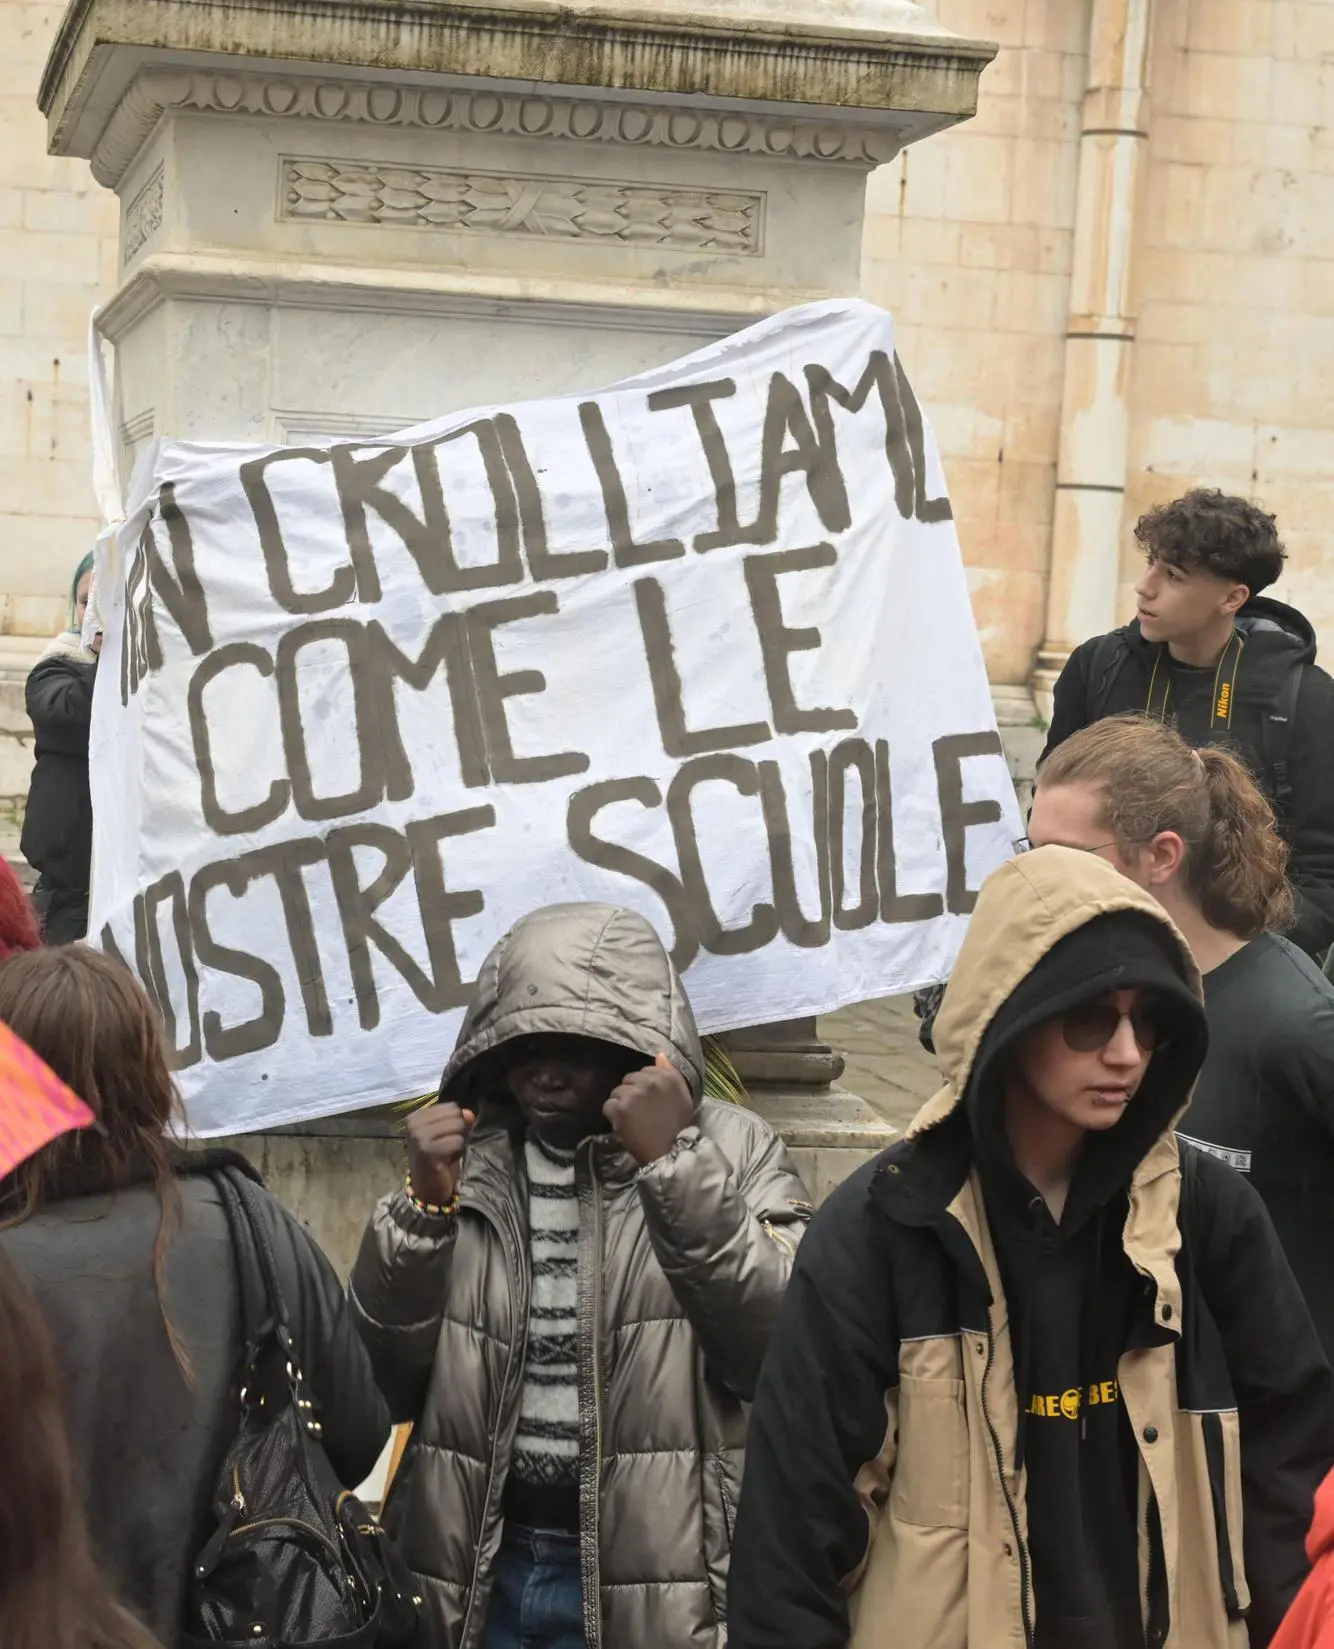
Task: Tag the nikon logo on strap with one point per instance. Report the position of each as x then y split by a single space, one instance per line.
1225 683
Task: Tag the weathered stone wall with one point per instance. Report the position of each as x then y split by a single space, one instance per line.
57 259
1233 381
58 255
968 243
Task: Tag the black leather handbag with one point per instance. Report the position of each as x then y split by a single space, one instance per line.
295 1559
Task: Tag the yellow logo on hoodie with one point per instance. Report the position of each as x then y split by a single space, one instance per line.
1065 1405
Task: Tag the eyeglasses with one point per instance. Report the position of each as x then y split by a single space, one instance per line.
1092 1025
1024 845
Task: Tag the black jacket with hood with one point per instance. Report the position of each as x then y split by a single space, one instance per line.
977 1428
1277 640
58 819
147 1439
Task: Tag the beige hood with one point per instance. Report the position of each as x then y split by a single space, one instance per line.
1024 909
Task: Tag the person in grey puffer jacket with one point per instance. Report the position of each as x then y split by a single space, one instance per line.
570 1300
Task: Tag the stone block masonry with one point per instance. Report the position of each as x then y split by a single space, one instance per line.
58 233
969 239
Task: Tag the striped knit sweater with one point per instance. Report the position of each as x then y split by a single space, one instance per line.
546 1448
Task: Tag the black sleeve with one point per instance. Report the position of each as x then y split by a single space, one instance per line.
1283 1386
1302 1050
1070 701
334 1361
59 699
819 1416
1309 826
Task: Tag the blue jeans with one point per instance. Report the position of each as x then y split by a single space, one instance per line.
537 1593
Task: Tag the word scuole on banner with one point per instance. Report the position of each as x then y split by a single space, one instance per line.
700 644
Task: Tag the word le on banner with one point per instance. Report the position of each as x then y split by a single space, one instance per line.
700 644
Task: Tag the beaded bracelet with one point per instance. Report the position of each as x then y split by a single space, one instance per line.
441 1210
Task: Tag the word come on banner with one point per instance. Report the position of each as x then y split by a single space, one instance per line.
699 644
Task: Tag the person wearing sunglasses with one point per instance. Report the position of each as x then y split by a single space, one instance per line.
1042 1376
1192 828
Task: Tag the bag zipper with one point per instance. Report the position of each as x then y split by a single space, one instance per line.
289 1523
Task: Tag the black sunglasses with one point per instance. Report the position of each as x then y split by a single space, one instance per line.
1092 1025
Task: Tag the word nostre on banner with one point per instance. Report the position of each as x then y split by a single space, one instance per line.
699 644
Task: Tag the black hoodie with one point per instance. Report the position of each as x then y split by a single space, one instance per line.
1278 639
1071 1289
883 1504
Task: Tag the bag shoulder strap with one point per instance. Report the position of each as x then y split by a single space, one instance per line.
1104 667
257 1317
244 1191
255 1255
1277 725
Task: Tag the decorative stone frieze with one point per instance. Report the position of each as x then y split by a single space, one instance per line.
481 203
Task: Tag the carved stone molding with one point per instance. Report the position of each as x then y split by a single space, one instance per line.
143 218
472 202
790 1052
463 109
312 427
640 307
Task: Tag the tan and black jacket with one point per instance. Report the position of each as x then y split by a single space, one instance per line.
682 1268
883 1505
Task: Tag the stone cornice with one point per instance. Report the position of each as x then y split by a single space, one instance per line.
881 63
468 109
277 281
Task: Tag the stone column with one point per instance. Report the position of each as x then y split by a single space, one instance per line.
1095 420
344 219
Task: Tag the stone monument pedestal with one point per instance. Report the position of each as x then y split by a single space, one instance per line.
339 220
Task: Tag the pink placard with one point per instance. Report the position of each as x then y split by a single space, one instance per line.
35 1105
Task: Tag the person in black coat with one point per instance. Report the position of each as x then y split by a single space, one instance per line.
1191 828
50 1591
57 836
123 1240
1042 1377
1207 653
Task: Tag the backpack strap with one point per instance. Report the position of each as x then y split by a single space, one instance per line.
1276 730
1109 655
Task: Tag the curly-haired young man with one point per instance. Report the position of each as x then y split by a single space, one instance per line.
1226 665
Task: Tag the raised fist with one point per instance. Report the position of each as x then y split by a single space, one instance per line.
649 1109
436 1137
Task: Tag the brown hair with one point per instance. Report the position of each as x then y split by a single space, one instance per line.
1151 780
89 1018
1229 537
51 1595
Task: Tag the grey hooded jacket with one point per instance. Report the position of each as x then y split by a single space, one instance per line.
682 1268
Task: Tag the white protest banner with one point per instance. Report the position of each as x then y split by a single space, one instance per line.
699 644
